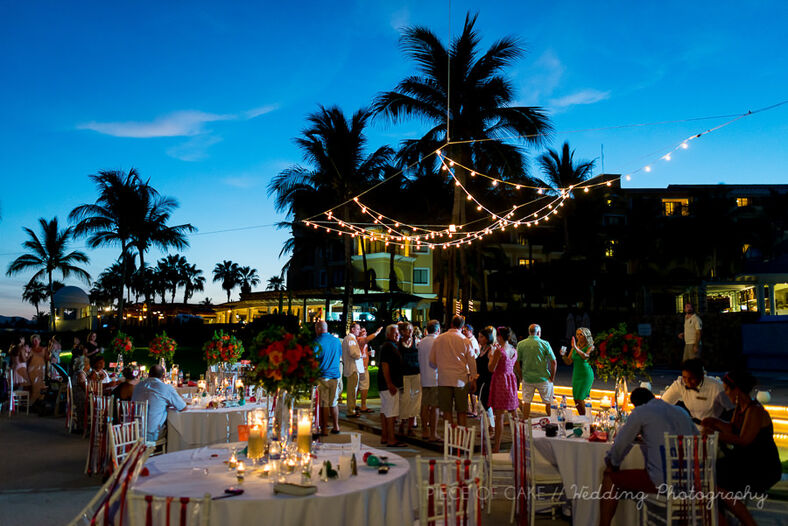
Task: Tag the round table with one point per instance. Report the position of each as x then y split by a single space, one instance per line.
199 427
581 464
187 391
369 498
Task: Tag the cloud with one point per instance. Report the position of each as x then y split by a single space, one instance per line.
195 149
242 182
176 124
544 76
400 19
262 110
586 96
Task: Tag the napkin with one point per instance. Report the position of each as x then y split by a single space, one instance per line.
598 436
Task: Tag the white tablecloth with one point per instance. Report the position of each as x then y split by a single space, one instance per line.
201 427
187 391
369 498
581 464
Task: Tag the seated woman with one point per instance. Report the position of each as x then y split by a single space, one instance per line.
125 389
98 374
751 461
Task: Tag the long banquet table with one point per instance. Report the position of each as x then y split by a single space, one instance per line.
581 464
199 427
369 498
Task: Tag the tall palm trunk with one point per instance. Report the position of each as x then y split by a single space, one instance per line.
51 303
281 301
364 263
347 296
123 272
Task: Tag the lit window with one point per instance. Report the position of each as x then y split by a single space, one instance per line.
745 247
675 207
421 276
524 262
609 202
610 248
743 201
420 249
522 240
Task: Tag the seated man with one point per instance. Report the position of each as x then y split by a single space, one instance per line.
702 396
650 419
160 397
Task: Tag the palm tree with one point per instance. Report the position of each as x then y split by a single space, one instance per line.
229 274
35 293
248 278
462 92
49 254
277 283
562 172
172 269
151 229
207 302
109 221
333 147
192 280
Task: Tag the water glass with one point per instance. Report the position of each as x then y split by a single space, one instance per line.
355 443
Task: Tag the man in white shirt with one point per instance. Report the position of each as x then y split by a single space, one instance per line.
702 396
693 330
160 397
429 383
467 331
352 367
451 354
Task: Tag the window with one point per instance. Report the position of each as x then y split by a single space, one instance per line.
421 276
610 248
675 207
525 262
743 201
522 240
613 220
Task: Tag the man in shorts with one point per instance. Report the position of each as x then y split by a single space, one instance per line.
390 386
329 354
429 384
536 365
452 356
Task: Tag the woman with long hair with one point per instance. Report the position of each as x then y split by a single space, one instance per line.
483 374
19 355
503 383
751 461
582 373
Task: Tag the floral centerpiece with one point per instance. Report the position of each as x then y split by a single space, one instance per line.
285 361
223 348
162 346
121 344
623 356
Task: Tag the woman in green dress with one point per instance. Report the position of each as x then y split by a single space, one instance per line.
582 373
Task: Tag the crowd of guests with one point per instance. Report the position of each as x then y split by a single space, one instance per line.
31 365
447 372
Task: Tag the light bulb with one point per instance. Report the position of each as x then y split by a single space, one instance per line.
479 207
451 163
540 191
456 183
585 189
444 167
473 174
647 168
667 157
684 145
495 183
517 186
629 178
609 183
469 197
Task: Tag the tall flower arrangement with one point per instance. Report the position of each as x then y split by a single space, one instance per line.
622 355
223 348
162 346
285 361
121 344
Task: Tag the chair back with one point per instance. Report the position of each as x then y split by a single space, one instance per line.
95 387
690 473
122 439
71 414
446 471
185 511
100 422
455 503
523 465
129 411
458 441
109 502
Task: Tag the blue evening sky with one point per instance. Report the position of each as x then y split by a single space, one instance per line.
204 98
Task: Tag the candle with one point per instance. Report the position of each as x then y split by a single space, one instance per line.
256 444
240 472
266 469
304 431
233 462
605 402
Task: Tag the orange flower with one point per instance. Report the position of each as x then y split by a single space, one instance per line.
276 358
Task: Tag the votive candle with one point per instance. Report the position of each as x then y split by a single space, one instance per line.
304 431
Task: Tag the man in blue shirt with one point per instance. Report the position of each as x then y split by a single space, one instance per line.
650 419
160 397
329 352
